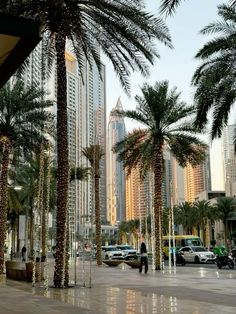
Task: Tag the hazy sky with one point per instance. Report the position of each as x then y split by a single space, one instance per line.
177 66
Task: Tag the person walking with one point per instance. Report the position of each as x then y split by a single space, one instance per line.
144 258
23 253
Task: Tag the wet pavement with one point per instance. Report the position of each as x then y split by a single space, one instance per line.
122 290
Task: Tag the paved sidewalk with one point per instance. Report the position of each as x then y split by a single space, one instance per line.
122 290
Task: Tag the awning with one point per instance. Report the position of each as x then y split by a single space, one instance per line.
18 37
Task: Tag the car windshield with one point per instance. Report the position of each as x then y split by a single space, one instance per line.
109 249
193 242
125 247
199 249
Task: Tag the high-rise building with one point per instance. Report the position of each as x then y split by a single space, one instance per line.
139 195
92 130
115 169
177 183
229 160
197 179
86 125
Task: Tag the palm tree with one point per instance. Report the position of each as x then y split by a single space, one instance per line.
14 208
185 215
123 231
80 174
134 227
169 6
123 30
26 175
225 208
166 120
94 154
204 211
214 79
23 118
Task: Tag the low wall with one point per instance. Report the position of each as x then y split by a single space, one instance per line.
15 270
24 271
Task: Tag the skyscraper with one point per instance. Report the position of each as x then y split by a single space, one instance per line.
229 160
86 124
92 130
115 171
197 179
139 195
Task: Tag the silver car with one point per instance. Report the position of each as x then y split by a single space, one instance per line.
111 252
128 250
197 254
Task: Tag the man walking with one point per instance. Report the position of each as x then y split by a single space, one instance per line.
144 258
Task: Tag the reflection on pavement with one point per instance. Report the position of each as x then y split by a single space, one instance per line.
124 291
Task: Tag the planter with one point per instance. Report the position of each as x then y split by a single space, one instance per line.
39 271
133 264
15 270
112 263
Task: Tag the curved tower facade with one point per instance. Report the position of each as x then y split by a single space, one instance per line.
115 170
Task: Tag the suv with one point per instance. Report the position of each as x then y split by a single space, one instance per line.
111 252
129 251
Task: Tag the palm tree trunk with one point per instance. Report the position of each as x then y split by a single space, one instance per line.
67 255
62 159
3 200
45 206
226 233
158 165
98 221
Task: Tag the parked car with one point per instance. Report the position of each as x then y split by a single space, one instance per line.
128 250
197 254
111 252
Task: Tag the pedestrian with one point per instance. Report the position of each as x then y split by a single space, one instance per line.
23 253
144 258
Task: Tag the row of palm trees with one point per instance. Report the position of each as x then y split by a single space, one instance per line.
195 217
125 32
24 123
24 117
169 123
167 120
198 215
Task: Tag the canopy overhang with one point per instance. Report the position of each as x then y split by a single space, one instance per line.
18 37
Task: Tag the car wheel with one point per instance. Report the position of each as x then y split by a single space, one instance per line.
106 257
196 260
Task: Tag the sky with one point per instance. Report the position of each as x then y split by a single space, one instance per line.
177 65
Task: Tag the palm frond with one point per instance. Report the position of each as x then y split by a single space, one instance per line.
169 7
123 30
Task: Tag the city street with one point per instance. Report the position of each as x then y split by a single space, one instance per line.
193 288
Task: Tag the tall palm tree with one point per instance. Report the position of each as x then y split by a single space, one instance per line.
80 174
225 208
14 208
22 120
166 123
123 30
94 154
214 78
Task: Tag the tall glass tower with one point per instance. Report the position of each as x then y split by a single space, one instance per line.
115 170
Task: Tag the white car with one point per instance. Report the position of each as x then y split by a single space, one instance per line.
111 252
197 254
128 250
